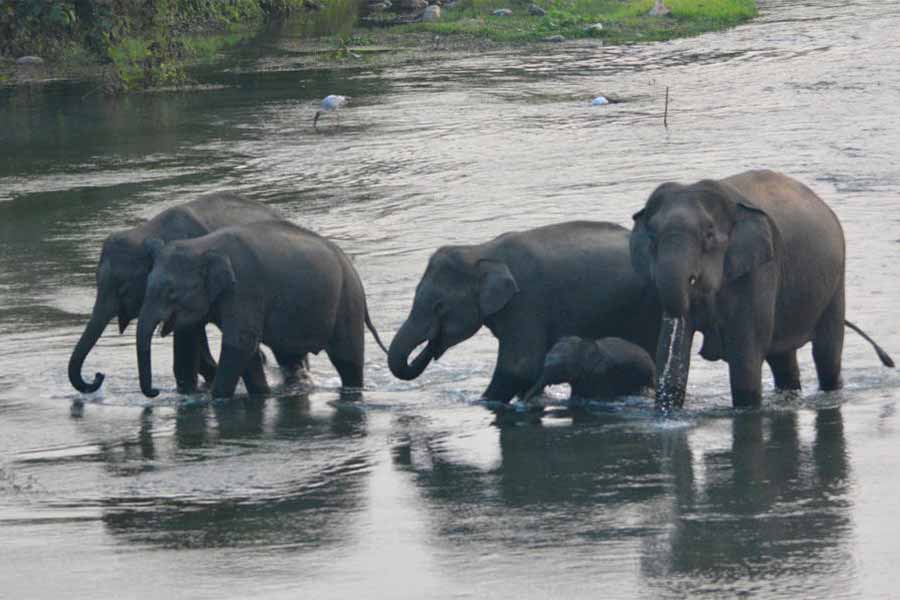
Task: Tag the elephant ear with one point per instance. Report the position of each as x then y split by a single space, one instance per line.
219 275
752 241
497 286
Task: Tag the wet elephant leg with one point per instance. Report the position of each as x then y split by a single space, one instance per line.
184 363
785 370
294 367
254 375
346 351
828 344
519 366
206 364
233 361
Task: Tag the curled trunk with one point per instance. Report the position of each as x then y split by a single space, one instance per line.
100 317
405 341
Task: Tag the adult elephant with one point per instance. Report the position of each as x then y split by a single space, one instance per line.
271 283
529 288
122 280
756 263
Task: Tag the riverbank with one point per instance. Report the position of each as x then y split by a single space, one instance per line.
159 52
613 21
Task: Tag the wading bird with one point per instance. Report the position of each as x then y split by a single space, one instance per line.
331 103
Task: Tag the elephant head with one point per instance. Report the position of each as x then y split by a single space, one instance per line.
565 363
692 241
458 292
121 283
181 290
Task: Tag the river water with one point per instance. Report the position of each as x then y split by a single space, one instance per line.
417 494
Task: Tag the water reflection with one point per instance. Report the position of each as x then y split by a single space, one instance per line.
272 496
771 505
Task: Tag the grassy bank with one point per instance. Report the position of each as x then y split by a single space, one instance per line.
623 21
136 45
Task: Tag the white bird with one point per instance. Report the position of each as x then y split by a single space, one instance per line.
599 101
331 103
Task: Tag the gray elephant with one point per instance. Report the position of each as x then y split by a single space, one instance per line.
595 369
529 288
272 283
122 280
756 263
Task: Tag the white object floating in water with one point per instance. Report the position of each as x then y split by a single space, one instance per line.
330 103
599 101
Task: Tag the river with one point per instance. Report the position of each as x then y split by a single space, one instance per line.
417 493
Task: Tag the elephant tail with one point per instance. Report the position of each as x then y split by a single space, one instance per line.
886 360
374 331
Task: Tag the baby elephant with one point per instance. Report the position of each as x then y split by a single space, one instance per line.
604 368
269 282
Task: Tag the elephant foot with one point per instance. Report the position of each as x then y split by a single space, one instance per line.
197 402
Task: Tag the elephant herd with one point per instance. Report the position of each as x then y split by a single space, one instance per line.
754 262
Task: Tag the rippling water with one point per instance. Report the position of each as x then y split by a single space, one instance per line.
416 494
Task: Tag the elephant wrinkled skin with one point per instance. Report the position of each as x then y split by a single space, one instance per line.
122 281
529 288
269 282
756 263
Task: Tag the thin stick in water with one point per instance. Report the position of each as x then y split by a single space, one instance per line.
666 113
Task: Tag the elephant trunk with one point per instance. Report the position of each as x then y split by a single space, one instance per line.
673 356
675 274
100 317
405 341
146 326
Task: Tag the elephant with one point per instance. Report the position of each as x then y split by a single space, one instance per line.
122 280
595 369
755 262
530 288
271 282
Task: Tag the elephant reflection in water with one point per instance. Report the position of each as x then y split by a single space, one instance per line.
314 502
590 481
771 501
586 472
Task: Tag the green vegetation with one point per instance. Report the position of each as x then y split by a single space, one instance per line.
146 42
623 21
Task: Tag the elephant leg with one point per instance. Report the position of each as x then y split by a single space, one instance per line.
828 343
747 332
232 363
346 351
519 366
206 364
746 382
785 370
294 367
254 375
183 364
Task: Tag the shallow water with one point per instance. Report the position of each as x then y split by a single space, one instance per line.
416 494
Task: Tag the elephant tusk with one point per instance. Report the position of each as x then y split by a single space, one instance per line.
692 280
